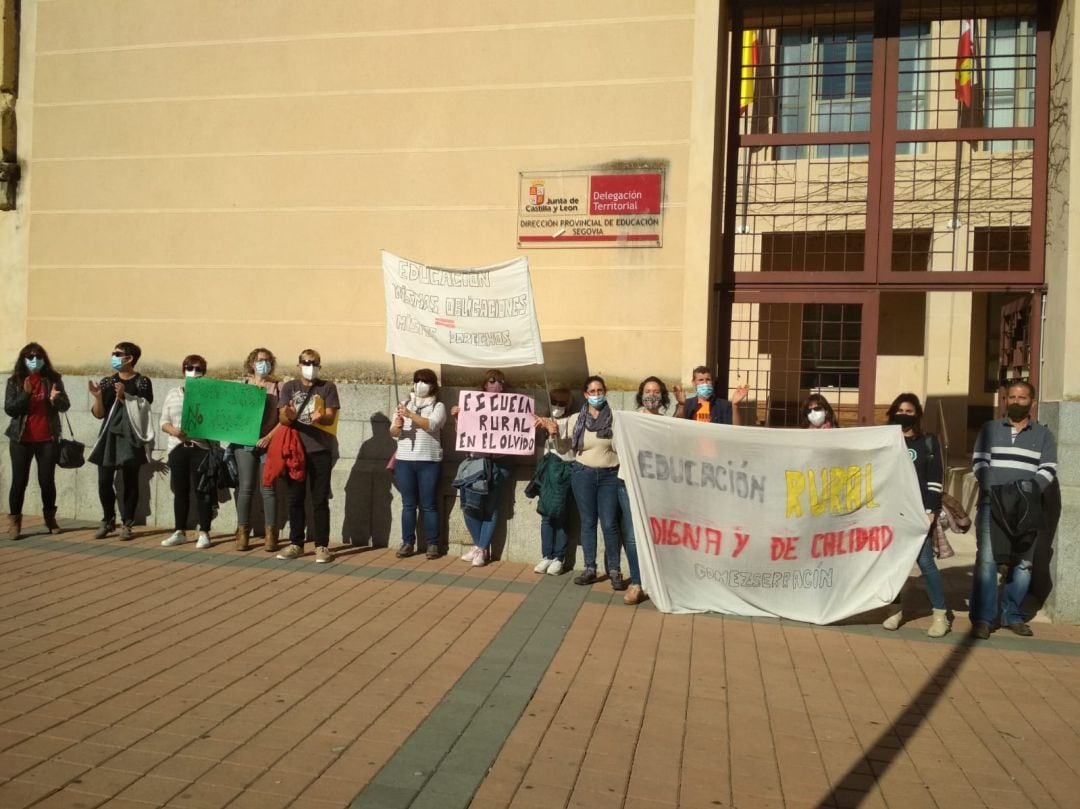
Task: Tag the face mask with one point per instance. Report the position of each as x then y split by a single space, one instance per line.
558 412
117 363
704 391
816 417
35 364
596 401
309 372
262 367
192 374
422 389
905 420
651 402
1018 412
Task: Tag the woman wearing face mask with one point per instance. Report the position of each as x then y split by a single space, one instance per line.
481 518
554 485
417 428
184 456
34 398
925 451
653 398
817 414
260 365
122 401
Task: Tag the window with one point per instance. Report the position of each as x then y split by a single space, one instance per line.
1009 98
830 345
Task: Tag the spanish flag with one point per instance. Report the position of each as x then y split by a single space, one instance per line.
965 62
751 58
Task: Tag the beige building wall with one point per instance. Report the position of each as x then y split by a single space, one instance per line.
211 176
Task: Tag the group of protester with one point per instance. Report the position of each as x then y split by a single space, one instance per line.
1015 461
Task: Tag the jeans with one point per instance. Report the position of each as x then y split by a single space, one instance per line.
935 588
482 529
418 482
183 475
984 584
318 466
630 543
597 497
249 465
553 537
46 453
129 474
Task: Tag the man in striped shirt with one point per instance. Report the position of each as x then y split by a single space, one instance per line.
1007 450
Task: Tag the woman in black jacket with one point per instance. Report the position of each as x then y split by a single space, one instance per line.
34 398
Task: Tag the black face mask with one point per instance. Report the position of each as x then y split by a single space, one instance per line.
1018 412
905 420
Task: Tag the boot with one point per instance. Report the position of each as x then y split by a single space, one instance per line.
939 626
270 545
50 520
893 621
14 526
243 534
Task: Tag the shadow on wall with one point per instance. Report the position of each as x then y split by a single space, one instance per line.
368 498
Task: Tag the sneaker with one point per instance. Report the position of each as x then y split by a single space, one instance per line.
433 550
106 528
980 630
618 583
405 551
480 558
177 538
892 623
126 532
203 542
323 555
634 595
291 552
543 565
588 576
470 554
555 568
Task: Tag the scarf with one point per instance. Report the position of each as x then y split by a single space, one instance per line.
601 425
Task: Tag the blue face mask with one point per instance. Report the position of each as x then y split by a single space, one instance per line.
34 365
704 391
117 363
596 401
262 367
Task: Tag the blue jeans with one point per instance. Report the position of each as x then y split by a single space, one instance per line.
935 588
629 542
984 584
249 465
482 529
418 482
553 537
597 497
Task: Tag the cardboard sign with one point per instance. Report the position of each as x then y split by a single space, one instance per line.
229 412
496 423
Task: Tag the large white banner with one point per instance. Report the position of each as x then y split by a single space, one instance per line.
477 317
812 525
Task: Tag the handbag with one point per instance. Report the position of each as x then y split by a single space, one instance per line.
71 451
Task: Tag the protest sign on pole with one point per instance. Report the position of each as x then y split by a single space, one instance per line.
479 317
499 423
229 412
812 525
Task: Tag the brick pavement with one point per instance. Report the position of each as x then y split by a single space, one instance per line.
138 676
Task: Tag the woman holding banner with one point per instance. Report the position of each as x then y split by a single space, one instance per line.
417 428
817 414
185 456
925 451
260 366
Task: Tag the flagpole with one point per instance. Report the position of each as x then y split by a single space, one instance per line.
397 394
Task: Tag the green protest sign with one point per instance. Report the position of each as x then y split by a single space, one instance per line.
229 412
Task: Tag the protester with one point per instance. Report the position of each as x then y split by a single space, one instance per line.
553 481
480 504
186 457
1015 460
653 398
705 406
251 461
925 451
594 480
310 407
817 414
34 398
122 401
417 428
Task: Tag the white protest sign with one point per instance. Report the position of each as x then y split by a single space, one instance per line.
477 317
812 525
497 423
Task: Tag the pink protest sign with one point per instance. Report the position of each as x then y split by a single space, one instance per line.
498 423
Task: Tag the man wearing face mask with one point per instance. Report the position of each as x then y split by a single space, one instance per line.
311 408
1012 449
705 406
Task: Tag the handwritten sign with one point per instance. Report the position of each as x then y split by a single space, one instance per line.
497 423
812 525
229 412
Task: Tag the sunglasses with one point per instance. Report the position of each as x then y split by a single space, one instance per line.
195 368
493 381
120 354
310 362
815 409
35 357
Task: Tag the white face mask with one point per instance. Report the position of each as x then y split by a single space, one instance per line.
816 417
193 374
558 412
309 372
422 389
